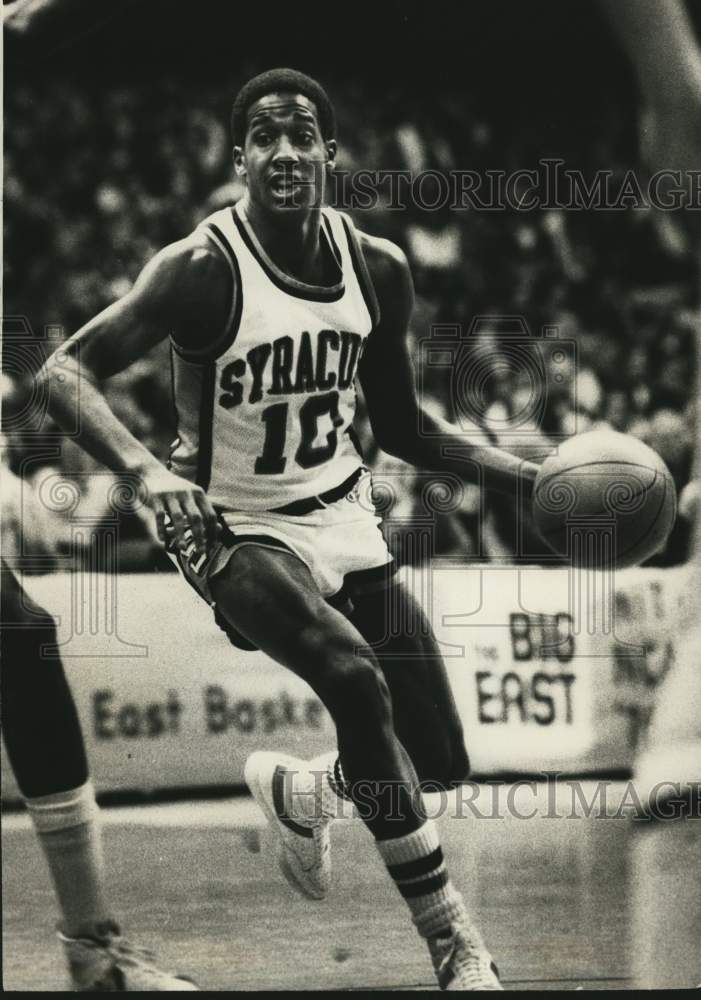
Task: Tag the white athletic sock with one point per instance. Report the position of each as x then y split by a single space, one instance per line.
68 828
318 792
416 864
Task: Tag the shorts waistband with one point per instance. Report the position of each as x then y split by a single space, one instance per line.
299 507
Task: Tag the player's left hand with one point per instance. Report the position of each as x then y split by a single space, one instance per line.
183 511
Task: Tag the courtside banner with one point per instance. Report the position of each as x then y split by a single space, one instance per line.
550 672
552 669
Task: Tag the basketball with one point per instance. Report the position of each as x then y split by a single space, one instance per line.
604 499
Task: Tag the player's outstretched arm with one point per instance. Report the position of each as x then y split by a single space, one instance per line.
184 291
400 425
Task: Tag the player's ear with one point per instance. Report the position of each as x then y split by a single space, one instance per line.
239 161
331 148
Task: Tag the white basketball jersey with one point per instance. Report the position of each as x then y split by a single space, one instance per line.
265 413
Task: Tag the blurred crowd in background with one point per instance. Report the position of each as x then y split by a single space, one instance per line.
96 182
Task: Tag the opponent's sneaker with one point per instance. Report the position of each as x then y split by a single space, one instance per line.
304 843
106 963
462 962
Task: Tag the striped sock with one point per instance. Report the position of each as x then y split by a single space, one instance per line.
67 825
416 864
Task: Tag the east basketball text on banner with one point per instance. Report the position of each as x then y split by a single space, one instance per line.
538 686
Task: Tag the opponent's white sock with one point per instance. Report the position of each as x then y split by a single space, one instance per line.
415 862
67 825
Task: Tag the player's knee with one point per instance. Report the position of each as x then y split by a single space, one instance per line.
358 690
29 676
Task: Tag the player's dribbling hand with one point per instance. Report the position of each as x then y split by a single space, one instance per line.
181 507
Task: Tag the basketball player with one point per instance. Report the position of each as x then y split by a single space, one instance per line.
44 744
272 308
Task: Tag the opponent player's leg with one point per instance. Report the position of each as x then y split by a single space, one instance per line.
45 748
426 718
270 597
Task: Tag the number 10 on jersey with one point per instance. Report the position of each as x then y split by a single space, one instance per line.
273 459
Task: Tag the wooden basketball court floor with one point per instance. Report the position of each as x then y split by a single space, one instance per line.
565 900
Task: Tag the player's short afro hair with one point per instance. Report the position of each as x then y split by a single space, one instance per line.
274 81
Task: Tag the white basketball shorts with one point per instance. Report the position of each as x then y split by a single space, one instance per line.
341 545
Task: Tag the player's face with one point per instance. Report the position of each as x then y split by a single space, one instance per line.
284 157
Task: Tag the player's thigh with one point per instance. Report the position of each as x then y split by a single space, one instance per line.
270 597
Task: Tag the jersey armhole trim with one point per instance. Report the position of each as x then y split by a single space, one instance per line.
223 342
361 271
331 240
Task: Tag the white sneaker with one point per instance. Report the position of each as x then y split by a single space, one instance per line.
106 963
304 842
461 961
